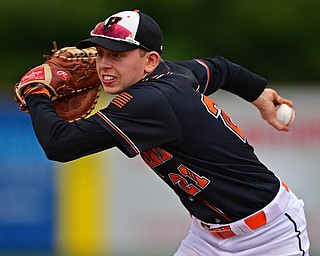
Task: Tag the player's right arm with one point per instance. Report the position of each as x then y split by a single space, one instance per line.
266 104
218 73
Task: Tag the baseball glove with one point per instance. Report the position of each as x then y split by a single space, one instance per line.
70 77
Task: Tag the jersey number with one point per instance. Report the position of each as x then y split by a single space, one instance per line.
216 111
180 180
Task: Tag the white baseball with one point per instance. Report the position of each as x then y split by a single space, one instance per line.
285 114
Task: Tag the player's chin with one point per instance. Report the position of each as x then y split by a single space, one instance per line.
111 89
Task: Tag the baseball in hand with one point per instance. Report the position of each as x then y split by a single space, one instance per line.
285 114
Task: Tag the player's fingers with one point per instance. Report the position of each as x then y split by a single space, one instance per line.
278 126
285 101
279 100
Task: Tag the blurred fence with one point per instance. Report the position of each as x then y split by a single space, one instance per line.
27 195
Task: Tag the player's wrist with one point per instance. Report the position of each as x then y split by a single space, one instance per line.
36 88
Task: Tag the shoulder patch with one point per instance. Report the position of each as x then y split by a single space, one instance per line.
122 99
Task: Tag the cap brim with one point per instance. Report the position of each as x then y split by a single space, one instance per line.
109 44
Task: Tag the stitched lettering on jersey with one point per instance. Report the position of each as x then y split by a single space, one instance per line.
180 179
201 181
217 112
155 157
122 99
158 156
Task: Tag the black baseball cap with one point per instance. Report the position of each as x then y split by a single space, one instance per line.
125 31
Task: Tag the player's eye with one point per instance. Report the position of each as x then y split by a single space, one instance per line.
99 53
117 55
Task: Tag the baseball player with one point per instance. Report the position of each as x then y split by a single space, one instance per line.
162 112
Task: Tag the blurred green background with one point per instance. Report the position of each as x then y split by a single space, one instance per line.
278 39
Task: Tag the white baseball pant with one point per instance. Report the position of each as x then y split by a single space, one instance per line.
284 234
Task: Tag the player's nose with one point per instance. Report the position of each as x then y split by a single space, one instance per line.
105 62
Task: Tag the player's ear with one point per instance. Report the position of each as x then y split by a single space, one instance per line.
153 59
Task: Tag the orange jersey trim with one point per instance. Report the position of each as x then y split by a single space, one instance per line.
117 130
122 99
208 73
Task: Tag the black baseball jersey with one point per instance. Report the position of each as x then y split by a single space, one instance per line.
181 133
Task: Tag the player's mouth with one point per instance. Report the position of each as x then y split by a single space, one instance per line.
108 79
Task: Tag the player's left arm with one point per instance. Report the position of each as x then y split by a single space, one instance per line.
65 141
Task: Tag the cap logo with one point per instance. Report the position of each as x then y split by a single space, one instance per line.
121 27
112 21
114 30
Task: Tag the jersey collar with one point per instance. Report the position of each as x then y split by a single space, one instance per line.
161 70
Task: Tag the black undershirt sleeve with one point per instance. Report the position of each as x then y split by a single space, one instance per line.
64 141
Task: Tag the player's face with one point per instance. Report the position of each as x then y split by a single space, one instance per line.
119 70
